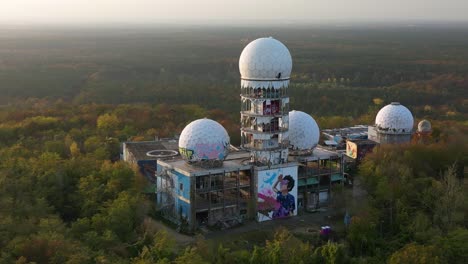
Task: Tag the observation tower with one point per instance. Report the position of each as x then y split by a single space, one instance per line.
265 66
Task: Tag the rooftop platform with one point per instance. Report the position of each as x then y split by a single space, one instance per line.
361 142
354 132
319 153
139 150
238 160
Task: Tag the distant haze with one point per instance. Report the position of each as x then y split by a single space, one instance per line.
227 11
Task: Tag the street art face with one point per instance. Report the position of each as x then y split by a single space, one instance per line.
205 151
277 193
284 185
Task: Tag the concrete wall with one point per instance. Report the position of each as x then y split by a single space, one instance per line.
388 138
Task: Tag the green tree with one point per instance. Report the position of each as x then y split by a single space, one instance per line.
415 254
190 256
454 246
450 204
330 253
108 123
162 249
362 236
74 149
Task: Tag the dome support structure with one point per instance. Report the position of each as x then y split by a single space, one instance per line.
393 124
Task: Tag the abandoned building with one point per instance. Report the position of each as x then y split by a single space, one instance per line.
278 171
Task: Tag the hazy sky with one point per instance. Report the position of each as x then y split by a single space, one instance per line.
143 11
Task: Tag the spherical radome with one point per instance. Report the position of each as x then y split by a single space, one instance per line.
265 59
304 132
424 126
204 139
394 118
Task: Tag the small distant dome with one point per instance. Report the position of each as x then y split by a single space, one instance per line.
204 139
394 118
304 133
424 126
265 59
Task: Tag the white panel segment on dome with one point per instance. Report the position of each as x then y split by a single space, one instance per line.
394 118
204 139
265 59
304 133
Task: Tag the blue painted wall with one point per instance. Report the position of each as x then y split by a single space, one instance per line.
182 208
185 181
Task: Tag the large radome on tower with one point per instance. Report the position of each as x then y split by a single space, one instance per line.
265 59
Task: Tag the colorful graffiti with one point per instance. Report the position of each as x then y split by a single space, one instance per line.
351 149
271 107
187 153
210 151
205 151
277 193
358 150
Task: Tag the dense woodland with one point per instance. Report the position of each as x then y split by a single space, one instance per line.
70 97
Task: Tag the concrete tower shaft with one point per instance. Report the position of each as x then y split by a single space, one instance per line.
265 66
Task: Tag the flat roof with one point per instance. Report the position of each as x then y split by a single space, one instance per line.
318 153
363 141
237 160
347 131
330 142
139 149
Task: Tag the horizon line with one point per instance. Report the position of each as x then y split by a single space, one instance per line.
256 22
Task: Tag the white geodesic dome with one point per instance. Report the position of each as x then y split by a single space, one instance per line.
424 126
394 118
304 133
204 139
265 59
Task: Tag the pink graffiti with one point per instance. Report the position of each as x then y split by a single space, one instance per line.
210 151
269 202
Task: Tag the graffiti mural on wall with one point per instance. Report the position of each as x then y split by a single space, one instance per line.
358 152
277 193
205 151
271 107
351 149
